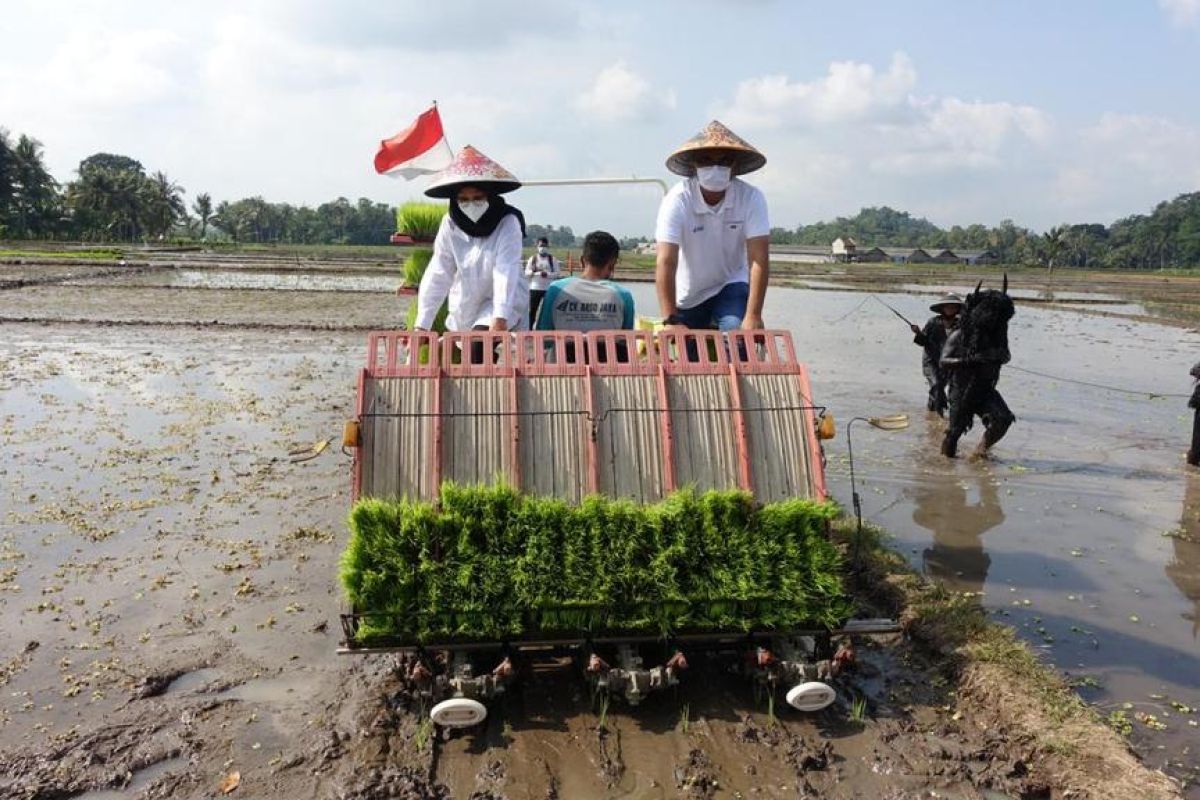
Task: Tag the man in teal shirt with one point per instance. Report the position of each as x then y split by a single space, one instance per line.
591 301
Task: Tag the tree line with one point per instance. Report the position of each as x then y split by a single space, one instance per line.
114 199
1168 237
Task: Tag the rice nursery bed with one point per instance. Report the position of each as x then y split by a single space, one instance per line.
491 563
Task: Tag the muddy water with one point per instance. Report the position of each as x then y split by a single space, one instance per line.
1065 533
249 279
151 522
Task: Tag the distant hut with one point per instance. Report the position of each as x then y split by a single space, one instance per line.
947 257
918 255
844 249
874 255
978 257
801 254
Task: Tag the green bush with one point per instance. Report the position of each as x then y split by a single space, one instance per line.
420 220
491 563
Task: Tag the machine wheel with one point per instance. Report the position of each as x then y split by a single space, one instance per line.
458 712
811 696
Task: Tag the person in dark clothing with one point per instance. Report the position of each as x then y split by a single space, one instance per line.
1193 454
933 338
974 354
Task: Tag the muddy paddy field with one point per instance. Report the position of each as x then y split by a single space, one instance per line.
168 551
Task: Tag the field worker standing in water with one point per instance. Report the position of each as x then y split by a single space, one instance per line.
933 338
542 269
477 252
712 234
1193 453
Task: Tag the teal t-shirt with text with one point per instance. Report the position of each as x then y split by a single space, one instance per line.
579 304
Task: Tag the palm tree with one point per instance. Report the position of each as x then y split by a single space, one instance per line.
1053 241
203 207
164 204
34 190
7 177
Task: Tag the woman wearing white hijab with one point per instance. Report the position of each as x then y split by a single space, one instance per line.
477 263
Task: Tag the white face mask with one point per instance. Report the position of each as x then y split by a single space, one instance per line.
715 178
473 209
543 251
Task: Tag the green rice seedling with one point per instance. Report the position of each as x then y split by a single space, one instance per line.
858 709
420 220
604 700
772 720
684 718
439 325
424 732
488 562
414 266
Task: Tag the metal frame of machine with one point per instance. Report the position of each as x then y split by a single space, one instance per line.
552 413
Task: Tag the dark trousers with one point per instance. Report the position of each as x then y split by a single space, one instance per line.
937 389
535 302
1193 455
973 393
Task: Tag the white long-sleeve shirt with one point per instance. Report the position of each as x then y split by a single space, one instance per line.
481 276
536 265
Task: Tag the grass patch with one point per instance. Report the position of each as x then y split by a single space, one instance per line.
997 681
106 254
489 563
955 624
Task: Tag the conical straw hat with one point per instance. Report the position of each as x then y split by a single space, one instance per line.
716 136
471 167
949 299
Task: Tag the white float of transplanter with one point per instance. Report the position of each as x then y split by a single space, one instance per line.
811 696
458 712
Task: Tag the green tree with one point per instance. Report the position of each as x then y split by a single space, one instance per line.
162 204
35 210
203 208
107 201
7 170
1052 246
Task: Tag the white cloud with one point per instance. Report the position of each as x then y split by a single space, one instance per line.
1126 163
621 95
950 134
1181 12
289 99
467 27
109 70
849 92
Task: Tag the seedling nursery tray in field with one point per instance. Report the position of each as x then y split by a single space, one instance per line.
488 567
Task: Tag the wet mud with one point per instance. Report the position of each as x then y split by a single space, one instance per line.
169 601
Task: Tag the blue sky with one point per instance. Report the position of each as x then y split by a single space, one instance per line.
1042 112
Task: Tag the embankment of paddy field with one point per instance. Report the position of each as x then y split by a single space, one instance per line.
998 683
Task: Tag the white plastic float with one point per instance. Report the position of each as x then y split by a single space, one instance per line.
811 696
458 712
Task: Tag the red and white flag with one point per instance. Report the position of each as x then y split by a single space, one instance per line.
419 149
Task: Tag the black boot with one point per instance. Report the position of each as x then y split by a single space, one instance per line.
950 445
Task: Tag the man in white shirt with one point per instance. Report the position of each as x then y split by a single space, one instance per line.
712 234
542 269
